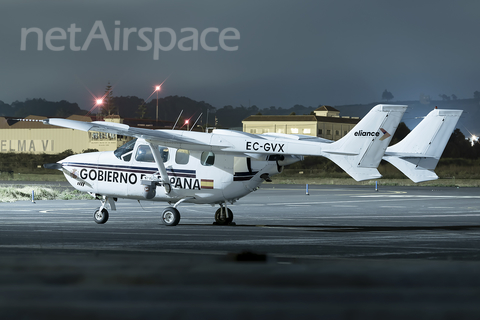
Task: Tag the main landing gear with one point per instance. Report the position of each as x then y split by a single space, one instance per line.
171 215
223 216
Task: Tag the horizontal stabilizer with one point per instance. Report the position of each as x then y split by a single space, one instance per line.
410 168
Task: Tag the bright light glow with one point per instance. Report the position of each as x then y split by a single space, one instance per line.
186 121
99 101
473 139
157 88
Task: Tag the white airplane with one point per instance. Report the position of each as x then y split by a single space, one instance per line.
223 166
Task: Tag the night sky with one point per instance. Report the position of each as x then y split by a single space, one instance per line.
284 53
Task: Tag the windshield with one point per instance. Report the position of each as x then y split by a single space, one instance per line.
125 152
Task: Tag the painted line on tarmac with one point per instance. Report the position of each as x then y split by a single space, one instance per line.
416 196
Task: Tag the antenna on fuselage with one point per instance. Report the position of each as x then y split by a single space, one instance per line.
177 120
196 121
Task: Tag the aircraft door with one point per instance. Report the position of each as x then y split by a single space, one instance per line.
242 169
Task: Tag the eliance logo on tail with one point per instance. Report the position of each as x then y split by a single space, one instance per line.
385 134
362 133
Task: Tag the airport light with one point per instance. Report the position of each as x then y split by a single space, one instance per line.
473 139
157 88
187 123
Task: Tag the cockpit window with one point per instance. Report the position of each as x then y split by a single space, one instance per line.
144 153
125 152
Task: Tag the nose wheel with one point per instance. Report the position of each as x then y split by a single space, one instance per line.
100 216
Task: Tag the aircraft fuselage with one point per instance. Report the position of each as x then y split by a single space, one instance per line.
202 177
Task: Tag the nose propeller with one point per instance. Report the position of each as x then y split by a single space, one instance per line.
54 166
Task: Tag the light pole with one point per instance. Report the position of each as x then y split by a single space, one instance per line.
187 123
157 88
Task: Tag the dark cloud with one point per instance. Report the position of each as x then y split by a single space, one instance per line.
302 52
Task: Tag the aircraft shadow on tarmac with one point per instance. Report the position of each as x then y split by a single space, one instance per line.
330 228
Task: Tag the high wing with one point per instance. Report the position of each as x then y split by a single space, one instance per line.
358 153
418 153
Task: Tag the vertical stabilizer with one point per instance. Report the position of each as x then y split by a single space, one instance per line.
418 153
359 153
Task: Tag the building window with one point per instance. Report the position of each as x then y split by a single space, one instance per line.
306 131
294 130
345 132
329 132
337 133
320 132
182 156
280 131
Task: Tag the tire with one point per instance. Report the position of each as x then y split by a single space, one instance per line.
226 220
170 217
100 217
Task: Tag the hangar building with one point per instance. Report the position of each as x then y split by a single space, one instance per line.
32 136
325 123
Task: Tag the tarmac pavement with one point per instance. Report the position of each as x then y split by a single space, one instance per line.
340 252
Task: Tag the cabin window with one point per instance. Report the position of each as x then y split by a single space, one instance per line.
182 156
144 154
125 152
207 158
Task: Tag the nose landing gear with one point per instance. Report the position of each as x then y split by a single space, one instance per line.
100 215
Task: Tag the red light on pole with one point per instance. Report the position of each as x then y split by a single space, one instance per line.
157 88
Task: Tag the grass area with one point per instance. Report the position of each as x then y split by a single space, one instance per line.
22 193
47 177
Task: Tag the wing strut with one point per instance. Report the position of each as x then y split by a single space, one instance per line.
160 166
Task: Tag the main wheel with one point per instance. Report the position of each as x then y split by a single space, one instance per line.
100 217
171 216
223 219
